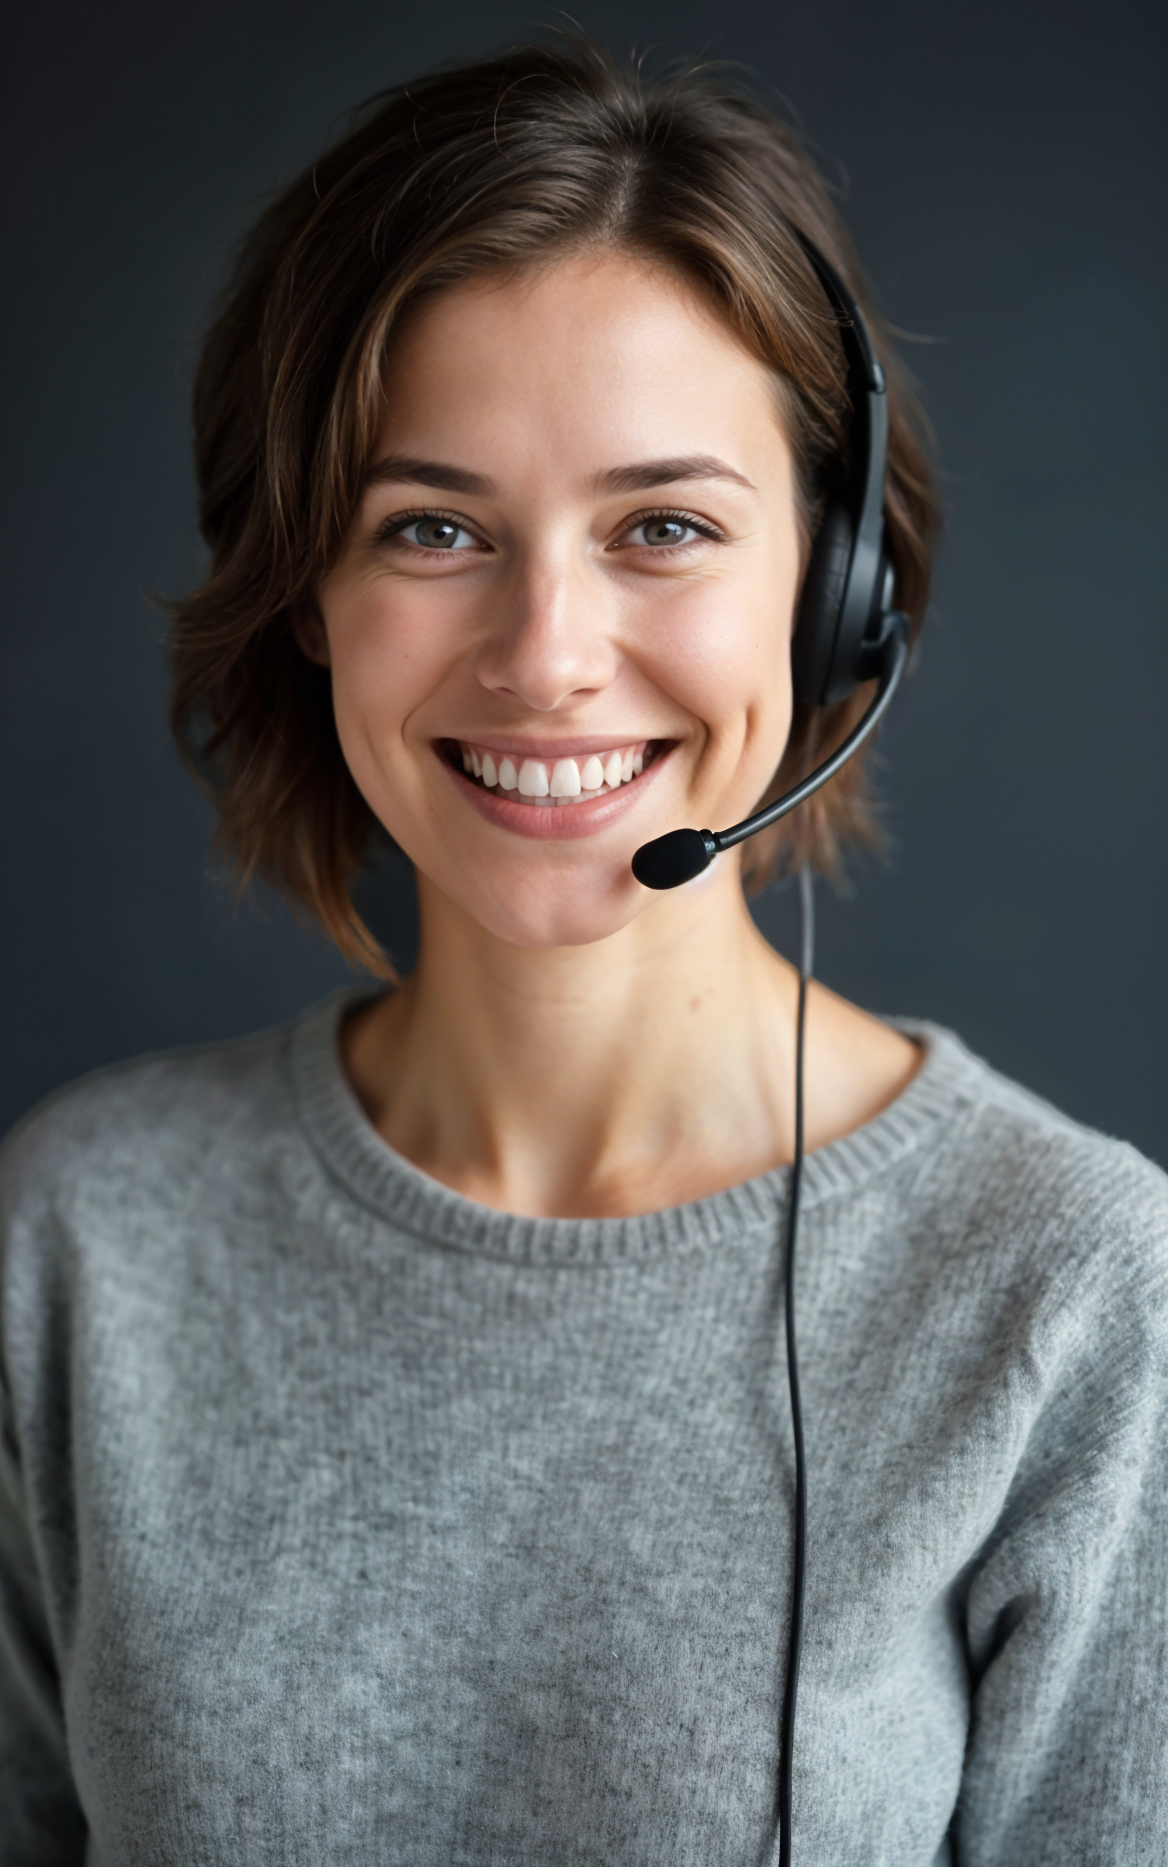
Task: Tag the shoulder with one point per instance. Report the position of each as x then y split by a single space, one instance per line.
142 1134
1013 1140
1060 1208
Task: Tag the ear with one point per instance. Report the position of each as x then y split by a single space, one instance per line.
311 635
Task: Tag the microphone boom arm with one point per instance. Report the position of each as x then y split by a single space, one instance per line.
678 856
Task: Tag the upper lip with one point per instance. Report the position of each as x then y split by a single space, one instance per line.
554 748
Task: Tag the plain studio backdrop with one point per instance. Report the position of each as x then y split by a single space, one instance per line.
1002 167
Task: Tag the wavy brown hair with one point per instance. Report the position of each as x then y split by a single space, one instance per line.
493 165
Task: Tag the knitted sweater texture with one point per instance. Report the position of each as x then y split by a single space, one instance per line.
347 1523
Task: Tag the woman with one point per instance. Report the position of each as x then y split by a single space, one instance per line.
398 1464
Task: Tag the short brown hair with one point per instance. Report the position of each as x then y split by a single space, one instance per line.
495 164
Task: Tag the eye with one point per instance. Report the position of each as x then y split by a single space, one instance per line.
661 532
664 532
430 534
433 532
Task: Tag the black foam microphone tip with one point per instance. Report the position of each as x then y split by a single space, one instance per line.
669 860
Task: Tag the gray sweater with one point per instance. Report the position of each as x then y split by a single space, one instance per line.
344 1521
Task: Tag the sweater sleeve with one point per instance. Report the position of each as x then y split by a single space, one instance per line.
41 1824
1067 1613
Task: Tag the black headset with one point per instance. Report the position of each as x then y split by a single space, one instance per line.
846 631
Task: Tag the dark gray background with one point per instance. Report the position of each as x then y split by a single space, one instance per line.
1003 167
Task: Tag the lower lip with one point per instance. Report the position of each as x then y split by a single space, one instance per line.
559 823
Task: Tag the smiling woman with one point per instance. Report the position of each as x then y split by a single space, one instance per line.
547 618
396 1462
443 210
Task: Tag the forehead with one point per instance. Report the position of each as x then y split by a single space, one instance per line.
596 358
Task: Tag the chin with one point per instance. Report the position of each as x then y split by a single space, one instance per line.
551 910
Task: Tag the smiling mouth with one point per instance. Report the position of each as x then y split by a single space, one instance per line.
553 783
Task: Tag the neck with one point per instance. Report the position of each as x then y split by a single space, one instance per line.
635 1073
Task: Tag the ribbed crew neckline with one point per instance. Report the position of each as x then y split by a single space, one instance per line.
395 1190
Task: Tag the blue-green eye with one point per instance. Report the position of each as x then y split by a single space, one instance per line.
435 534
664 531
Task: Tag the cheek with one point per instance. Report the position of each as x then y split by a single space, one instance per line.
389 654
724 655
387 658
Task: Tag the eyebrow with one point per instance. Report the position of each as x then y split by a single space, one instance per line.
646 474
405 468
641 477
637 478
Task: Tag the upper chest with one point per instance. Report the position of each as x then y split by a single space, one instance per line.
406 1541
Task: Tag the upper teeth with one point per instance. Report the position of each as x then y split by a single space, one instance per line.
555 781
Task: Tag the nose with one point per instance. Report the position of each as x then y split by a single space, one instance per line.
549 641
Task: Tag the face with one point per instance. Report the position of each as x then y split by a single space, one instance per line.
560 625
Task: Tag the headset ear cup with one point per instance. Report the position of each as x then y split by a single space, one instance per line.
820 604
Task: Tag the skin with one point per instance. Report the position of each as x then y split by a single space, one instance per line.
571 1043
